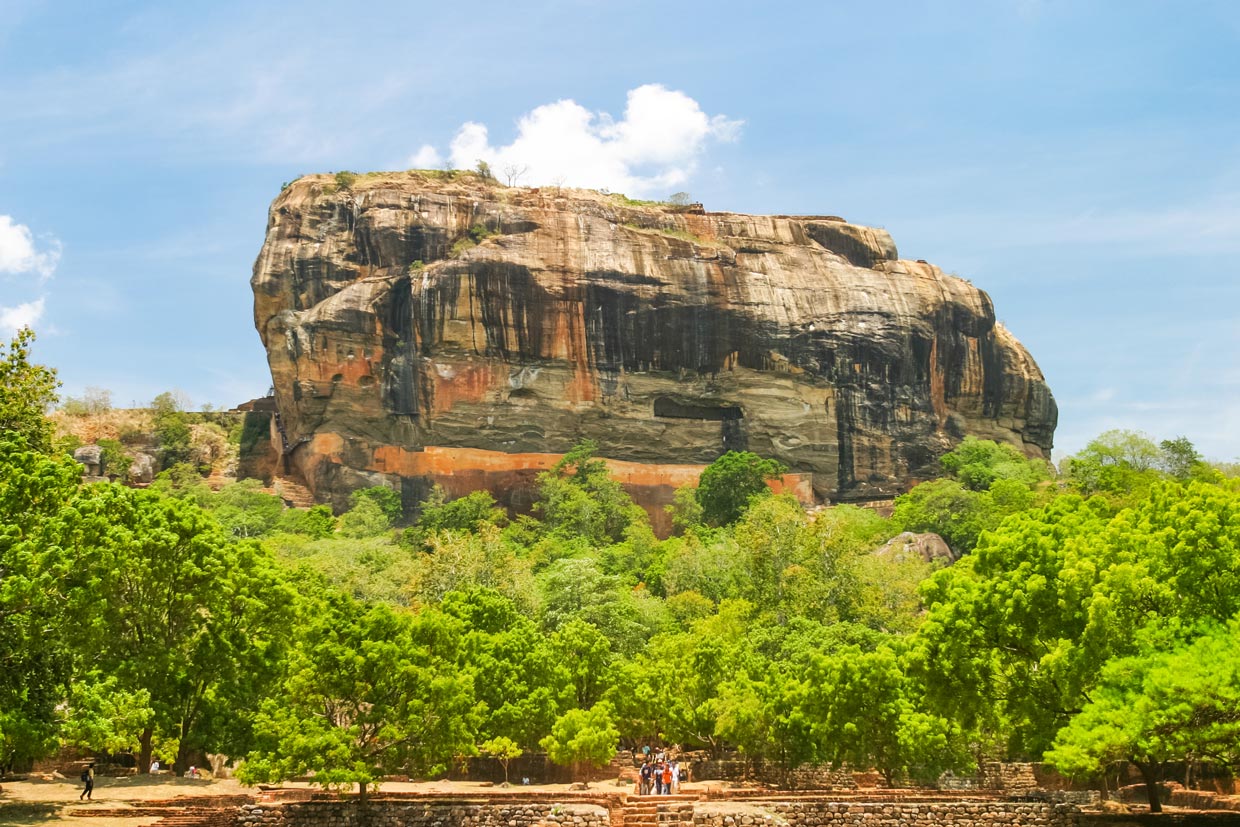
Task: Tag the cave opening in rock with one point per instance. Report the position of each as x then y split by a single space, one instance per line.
668 408
730 417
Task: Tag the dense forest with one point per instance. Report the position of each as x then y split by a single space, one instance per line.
1092 616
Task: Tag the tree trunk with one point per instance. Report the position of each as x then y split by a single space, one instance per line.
144 750
1152 775
181 765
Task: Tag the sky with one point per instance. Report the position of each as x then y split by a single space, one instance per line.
1079 161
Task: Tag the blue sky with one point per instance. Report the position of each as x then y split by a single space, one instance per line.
1078 160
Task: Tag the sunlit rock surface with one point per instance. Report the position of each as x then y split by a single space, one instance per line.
404 353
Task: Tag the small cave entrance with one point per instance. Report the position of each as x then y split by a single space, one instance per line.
731 419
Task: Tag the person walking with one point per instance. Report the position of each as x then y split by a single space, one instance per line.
88 776
667 778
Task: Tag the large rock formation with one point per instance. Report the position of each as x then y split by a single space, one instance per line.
427 328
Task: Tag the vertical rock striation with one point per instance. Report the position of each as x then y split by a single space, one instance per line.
428 328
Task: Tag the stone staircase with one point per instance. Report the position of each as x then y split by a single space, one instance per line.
657 811
292 492
205 811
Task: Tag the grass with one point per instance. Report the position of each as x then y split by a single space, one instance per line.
683 235
624 201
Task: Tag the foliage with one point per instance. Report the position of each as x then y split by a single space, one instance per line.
865 713
978 463
461 561
503 750
468 513
368 692
583 736
27 391
102 716
115 459
345 179
316 522
387 499
727 485
365 519
243 509
958 514
520 676
171 608
1018 633
35 658
171 427
93 402
372 569
1157 707
579 498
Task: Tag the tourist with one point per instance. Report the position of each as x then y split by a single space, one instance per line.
88 776
646 775
667 778
676 778
155 767
658 779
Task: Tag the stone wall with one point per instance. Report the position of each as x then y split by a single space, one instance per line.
881 814
404 813
802 778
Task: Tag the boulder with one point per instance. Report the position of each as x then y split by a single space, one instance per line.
909 546
440 329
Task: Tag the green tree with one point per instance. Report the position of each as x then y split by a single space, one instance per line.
584 654
978 463
462 561
1017 633
243 509
1116 463
1157 707
162 602
171 427
575 588
103 717
35 659
463 514
730 482
578 498
386 498
503 750
369 691
958 514
116 460
865 713
583 737
1179 459
27 393
518 674
365 519
316 522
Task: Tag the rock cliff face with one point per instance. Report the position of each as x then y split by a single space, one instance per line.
430 329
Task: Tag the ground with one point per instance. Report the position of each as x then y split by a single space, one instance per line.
36 803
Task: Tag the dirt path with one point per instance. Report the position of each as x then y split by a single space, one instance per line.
36 803
46 803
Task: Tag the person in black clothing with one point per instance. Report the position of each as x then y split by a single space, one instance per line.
647 773
88 775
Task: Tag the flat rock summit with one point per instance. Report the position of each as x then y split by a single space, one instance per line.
440 328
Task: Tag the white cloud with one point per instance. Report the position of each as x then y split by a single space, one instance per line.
18 253
13 319
654 148
425 158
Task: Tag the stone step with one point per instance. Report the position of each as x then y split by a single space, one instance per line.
292 492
